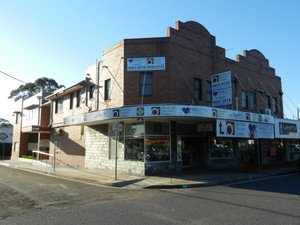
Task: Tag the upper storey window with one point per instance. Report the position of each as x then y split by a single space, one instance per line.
146 84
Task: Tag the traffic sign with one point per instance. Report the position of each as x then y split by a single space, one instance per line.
3 136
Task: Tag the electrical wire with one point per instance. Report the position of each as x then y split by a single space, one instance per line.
12 77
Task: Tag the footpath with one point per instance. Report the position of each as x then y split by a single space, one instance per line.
185 179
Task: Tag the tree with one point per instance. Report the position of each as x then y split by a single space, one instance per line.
5 123
29 89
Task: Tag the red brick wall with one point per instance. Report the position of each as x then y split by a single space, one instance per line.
191 52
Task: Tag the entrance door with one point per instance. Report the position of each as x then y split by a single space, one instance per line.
193 151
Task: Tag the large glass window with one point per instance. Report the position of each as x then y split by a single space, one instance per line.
220 148
246 150
157 141
146 84
274 150
147 141
134 141
157 148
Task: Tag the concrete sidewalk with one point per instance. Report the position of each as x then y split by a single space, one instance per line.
186 179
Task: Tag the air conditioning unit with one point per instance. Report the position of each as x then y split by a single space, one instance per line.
268 112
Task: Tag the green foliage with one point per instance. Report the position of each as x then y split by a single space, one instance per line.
29 89
27 157
5 123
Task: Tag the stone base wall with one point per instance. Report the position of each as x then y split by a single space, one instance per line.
97 154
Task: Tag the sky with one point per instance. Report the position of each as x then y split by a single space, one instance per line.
59 39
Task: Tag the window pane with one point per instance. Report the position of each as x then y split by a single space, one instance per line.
208 91
274 105
157 149
244 99
252 101
157 128
197 89
107 89
71 100
221 148
146 84
135 129
77 98
134 149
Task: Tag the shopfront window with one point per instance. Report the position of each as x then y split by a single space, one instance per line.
134 149
134 141
246 151
220 148
274 150
157 149
294 150
147 141
157 141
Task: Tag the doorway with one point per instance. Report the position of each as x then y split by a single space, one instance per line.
193 151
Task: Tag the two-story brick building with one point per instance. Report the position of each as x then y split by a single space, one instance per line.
31 130
152 103
156 105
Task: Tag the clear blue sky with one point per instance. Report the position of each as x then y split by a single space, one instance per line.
58 38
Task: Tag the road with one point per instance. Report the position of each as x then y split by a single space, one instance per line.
269 201
24 192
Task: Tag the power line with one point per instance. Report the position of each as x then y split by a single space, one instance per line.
13 77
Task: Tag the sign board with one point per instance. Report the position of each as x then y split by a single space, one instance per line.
221 89
168 110
146 64
285 128
222 97
238 129
117 127
6 135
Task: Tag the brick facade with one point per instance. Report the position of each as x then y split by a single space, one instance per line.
190 53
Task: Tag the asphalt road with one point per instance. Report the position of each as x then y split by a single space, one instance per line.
23 192
269 202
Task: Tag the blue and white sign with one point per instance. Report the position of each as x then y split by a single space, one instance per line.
146 64
167 110
238 129
221 89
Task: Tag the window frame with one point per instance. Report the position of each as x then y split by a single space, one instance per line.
71 100
244 99
107 89
208 89
59 105
274 105
253 101
197 89
78 98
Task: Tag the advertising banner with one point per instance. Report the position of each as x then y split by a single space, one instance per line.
285 128
221 89
167 111
238 129
146 64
